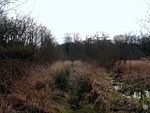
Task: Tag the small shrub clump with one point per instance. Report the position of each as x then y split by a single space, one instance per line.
84 86
61 80
74 102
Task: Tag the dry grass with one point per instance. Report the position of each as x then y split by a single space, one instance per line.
10 72
135 74
39 93
102 96
33 91
135 70
137 66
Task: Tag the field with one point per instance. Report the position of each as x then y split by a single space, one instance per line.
135 72
43 72
78 87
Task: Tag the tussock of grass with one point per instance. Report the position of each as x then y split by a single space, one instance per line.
61 80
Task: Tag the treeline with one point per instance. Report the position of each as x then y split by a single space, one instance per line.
105 52
22 38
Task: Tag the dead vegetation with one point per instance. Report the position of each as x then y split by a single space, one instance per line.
66 87
136 73
32 91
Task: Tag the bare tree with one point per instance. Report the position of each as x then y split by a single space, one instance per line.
145 22
4 4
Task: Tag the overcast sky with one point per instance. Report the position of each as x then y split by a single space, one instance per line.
86 16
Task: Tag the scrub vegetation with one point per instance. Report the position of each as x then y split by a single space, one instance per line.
95 75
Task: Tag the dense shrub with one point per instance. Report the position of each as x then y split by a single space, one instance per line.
84 85
61 80
74 102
